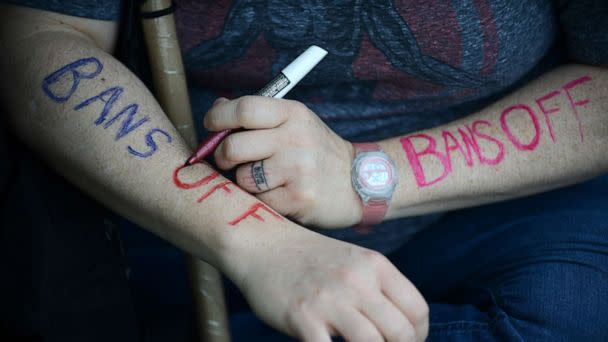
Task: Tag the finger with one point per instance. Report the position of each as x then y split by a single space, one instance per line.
391 322
262 175
353 325
243 147
401 292
249 112
307 329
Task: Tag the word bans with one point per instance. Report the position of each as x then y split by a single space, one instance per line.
224 186
470 136
469 139
61 84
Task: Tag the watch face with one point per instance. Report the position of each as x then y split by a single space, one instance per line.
375 174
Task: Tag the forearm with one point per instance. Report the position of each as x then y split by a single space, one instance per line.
97 124
550 133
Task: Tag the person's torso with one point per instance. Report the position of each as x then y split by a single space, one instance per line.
386 58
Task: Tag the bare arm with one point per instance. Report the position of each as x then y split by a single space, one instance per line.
551 133
547 134
97 124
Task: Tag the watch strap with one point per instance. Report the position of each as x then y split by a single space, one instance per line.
366 147
373 213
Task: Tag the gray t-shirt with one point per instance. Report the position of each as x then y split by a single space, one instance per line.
393 66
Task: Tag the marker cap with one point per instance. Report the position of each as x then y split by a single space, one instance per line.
301 66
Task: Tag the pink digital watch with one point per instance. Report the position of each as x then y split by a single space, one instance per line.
374 179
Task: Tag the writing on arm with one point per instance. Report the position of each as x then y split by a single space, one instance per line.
467 140
225 187
60 85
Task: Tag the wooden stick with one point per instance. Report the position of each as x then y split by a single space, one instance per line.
172 94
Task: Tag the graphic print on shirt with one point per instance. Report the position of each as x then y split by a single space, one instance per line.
366 40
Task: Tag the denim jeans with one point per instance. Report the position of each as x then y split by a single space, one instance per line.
529 269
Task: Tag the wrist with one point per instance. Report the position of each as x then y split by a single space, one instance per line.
253 244
355 214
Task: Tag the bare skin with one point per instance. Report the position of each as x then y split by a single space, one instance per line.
551 133
58 79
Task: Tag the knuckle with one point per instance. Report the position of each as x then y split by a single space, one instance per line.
244 178
397 332
406 334
368 335
231 149
309 162
375 258
348 276
299 115
423 314
365 293
305 164
220 160
299 169
323 295
304 196
421 320
244 109
296 106
297 307
210 120
305 135
424 335
400 330
297 311
303 220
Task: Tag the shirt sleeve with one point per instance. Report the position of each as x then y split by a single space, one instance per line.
584 25
92 9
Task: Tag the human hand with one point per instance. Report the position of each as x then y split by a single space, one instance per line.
288 158
310 286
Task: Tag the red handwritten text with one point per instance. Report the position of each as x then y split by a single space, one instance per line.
414 158
574 104
546 111
223 186
252 211
456 146
475 134
516 142
200 182
469 138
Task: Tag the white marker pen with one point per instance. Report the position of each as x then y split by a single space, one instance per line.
293 73
277 88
